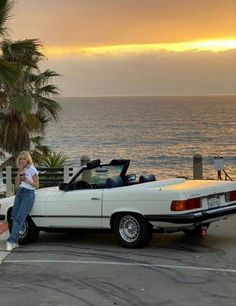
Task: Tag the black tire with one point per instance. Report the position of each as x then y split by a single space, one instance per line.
197 231
29 232
132 230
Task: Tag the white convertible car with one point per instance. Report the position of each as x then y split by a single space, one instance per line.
104 196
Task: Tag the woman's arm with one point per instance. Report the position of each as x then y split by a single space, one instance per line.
20 174
18 177
34 183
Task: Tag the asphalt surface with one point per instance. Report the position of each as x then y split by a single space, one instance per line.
92 269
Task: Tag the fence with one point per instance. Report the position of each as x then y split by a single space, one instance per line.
48 177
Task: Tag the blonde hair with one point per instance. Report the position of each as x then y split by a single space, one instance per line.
27 157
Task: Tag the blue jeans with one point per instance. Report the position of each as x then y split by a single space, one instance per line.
24 201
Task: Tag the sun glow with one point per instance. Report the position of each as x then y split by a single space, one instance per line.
116 50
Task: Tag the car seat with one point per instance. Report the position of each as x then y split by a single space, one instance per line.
114 182
147 178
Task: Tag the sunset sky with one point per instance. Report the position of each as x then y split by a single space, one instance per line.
134 47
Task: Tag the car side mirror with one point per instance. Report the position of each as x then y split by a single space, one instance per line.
131 177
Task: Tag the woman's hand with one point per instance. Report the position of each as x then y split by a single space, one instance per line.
34 183
19 177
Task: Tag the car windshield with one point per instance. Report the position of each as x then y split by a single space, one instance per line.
99 175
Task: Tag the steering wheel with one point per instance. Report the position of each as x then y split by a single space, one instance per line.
82 185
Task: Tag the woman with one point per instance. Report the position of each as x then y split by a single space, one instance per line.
27 179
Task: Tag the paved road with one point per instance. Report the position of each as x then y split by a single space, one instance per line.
92 269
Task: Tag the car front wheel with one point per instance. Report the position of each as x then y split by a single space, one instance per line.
132 230
29 232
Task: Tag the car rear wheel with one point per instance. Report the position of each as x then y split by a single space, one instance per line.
132 230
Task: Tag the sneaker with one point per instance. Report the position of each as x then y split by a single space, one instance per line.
9 246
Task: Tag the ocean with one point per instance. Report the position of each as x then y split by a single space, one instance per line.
160 134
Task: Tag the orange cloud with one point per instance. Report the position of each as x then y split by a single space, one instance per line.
116 50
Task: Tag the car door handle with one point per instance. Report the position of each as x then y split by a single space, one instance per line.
97 199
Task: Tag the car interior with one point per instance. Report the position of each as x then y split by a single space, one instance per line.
99 176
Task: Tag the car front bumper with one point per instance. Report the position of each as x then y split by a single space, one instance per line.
194 217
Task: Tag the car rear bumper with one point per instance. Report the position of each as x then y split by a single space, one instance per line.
194 217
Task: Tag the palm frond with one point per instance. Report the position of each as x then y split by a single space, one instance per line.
44 119
48 90
37 140
42 79
34 123
54 159
27 51
14 136
8 72
49 106
5 8
49 74
21 104
10 161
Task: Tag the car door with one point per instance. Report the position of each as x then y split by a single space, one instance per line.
77 208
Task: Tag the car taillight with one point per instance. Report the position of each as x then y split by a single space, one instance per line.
230 196
180 205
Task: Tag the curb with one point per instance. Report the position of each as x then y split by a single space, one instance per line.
3 227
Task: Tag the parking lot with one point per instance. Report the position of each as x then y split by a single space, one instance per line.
88 268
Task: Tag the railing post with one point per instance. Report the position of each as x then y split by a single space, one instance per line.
197 167
9 185
84 159
86 175
66 173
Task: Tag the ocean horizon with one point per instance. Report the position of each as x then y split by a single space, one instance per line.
143 96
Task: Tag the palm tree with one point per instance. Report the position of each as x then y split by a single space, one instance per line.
25 105
8 70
